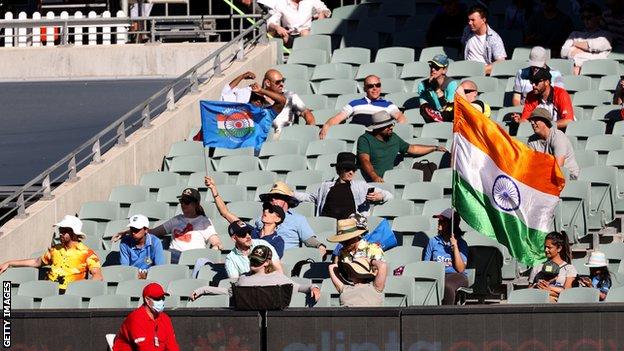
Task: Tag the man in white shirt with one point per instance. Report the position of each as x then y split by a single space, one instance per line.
482 43
293 18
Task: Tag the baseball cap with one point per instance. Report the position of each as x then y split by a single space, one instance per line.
239 228
439 60
539 74
190 194
543 114
275 209
259 255
447 213
538 57
138 221
154 291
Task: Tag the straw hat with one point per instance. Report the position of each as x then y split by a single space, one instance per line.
597 259
281 191
347 229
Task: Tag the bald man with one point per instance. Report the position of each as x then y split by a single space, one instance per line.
469 91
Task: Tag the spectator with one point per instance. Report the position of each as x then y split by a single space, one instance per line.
237 261
557 273
517 13
189 230
231 93
522 84
272 217
618 96
295 229
550 140
340 197
481 42
614 23
141 249
148 327
361 110
293 18
360 282
437 93
592 44
554 99
599 276
351 245
261 273
293 107
469 91
447 25
378 148
69 261
548 28
451 249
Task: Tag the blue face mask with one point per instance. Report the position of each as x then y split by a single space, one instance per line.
158 305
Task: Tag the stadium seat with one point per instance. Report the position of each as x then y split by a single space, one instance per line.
347 132
421 192
300 179
413 230
308 57
615 295
614 253
582 130
574 83
354 56
111 301
350 12
22 302
463 69
402 255
298 86
572 212
38 289
219 153
100 211
334 87
19 275
133 288
153 210
615 158
591 98
183 148
119 273
485 84
319 42
196 180
429 282
435 206
302 133
398 292
156 180
443 177
403 100
603 185
394 208
380 69
328 26
599 68
415 70
231 192
428 53
184 287
528 296
506 69
496 99
292 256
189 257
233 165
278 147
442 131
390 86
344 99
607 112
86 288
323 115
609 83
165 273
323 147
282 164
522 54
246 210
185 165
586 158
90 228
61 302
128 194
562 65
315 102
169 195
332 71
293 71
252 179
205 301
322 224
579 295
603 144
396 55
306 209
402 177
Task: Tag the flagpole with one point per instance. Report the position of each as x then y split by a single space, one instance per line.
453 175
205 160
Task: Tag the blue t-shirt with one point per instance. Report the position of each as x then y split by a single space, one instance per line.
273 239
293 230
440 251
151 254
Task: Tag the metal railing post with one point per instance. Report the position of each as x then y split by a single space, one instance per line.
194 82
97 152
73 172
263 39
217 66
240 54
47 188
121 134
147 119
21 206
65 35
171 100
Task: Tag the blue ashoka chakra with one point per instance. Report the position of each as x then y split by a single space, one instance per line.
237 127
506 193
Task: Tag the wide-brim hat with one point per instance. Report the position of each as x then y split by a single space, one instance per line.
347 229
597 259
345 160
381 119
359 268
542 114
74 223
281 191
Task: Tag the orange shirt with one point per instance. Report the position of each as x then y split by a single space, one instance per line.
68 265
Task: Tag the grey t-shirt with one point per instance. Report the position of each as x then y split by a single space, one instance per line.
557 144
360 295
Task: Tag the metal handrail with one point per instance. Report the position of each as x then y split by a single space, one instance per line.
119 127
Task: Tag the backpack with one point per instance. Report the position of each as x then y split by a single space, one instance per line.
487 261
426 167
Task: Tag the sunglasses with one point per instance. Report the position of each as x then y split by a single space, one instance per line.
278 82
63 230
185 202
242 235
134 230
348 169
468 91
535 82
371 86
435 68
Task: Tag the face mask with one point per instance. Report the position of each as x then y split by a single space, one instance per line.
158 306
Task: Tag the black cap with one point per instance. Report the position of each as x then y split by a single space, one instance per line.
259 255
539 74
191 194
345 160
275 209
239 228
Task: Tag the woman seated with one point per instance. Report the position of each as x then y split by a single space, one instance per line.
557 273
262 273
599 276
360 281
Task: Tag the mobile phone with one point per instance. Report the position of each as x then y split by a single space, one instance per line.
370 190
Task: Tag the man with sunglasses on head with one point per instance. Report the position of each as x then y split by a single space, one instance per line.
341 196
554 99
436 93
148 327
361 110
69 261
237 261
140 249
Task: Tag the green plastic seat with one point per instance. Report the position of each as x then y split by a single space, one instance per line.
293 71
507 68
61 302
317 42
442 131
111 301
615 158
572 212
332 71
462 69
614 253
300 179
394 208
428 282
347 132
398 291
282 164
615 295
328 26
325 146
584 129
315 101
413 230
22 303
298 86
38 289
599 68
322 224
308 57
196 180
233 165
246 210
428 53
301 133
119 273
592 98
292 256
323 115
608 112
435 206
157 210
485 84
402 255
100 211
603 190
380 69
184 287
167 195
496 99
396 55
415 70
165 273
189 257
183 148
156 180
579 295
528 296
390 86
86 288
609 83
603 144
420 192
403 100
334 87
185 165
133 288
350 12
354 56
128 194
344 99
562 65
574 83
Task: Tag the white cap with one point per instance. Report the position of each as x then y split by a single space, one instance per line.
138 221
72 222
597 259
447 213
538 57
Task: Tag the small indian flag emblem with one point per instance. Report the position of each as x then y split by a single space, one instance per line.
235 124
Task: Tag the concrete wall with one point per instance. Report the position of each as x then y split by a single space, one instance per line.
122 164
102 61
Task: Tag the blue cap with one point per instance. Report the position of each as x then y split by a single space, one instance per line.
440 60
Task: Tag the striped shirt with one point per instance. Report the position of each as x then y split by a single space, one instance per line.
361 110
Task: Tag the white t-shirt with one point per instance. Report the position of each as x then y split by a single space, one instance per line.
189 233
294 106
475 48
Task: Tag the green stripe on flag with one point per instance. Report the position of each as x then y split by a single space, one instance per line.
524 243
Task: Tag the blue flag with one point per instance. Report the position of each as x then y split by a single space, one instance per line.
233 125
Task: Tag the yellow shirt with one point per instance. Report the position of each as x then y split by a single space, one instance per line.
68 265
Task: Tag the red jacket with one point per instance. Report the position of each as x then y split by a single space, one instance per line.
559 98
139 332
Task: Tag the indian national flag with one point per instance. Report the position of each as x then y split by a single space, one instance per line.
502 188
